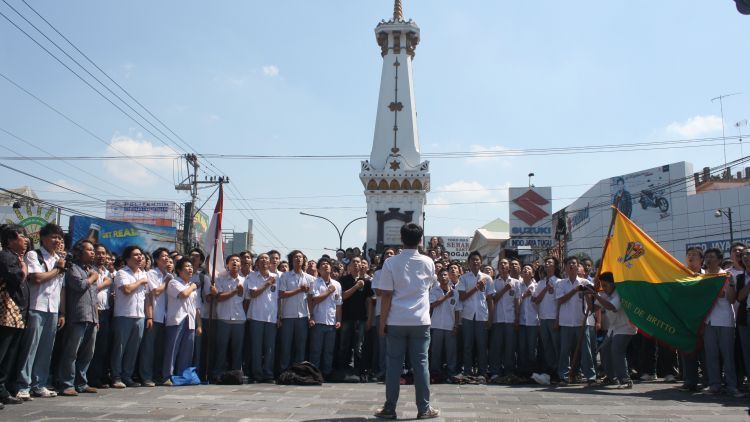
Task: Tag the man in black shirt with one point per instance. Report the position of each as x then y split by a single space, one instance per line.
356 287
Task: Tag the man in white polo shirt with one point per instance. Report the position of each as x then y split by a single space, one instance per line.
263 297
405 318
228 292
294 286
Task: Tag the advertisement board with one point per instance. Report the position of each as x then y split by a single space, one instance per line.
456 246
30 217
160 213
117 235
646 196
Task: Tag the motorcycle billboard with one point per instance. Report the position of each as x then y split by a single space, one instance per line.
645 196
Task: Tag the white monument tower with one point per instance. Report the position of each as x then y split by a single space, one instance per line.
396 181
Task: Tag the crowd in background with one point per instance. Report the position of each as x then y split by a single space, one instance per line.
79 318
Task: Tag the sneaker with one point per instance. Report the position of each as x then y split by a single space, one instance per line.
24 395
481 379
711 391
648 377
149 383
86 389
628 384
670 378
384 413
118 384
43 392
69 392
430 413
132 384
167 383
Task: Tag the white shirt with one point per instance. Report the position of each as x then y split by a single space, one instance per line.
409 276
265 306
155 280
131 305
179 308
529 311
619 323
571 312
475 307
325 311
295 306
102 296
230 309
505 310
722 314
548 305
444 315
44 297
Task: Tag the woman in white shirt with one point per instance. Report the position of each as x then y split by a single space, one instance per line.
183 321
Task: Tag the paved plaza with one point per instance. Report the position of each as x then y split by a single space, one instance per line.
352 402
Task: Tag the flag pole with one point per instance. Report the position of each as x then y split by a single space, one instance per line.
217 233
586 313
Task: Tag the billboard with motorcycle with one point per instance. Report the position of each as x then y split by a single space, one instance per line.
645 196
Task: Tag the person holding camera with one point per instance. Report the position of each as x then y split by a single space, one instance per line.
46 313
82 318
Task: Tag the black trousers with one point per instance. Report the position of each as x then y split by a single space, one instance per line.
10 339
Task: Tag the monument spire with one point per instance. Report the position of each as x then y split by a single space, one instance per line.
398 11
395 178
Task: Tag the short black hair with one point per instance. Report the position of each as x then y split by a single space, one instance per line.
200 252
158 253
325 260
696 249
10 232
226 260
129 251
411 234
179 265
50 229
608 277
716 251
474 253
570 258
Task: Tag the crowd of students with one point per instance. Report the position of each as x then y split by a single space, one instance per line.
71 323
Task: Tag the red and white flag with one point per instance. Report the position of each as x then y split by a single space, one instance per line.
215 264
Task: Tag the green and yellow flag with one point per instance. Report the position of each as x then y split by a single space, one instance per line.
662 297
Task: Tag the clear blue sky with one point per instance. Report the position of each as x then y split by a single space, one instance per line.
297 77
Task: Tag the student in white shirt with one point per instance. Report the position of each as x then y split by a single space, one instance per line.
129 315
46 313
619 334
151 354
475 290
262 297
503 337
325 300
443 301
570 296
544 298
528 323
295 314
718 336
228 293
405 318
183 321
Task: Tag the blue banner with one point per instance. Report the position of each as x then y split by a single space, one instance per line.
117 235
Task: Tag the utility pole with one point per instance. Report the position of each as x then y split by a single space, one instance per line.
190 183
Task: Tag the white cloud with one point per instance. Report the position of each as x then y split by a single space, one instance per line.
128 69
213 118
271 71
134 171
696 126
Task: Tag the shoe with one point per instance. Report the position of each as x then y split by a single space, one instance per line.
132 384
688 388
670 378
100 386
86 389
735 393
430 413
167 383
43 392
384 413
711 391
24 395
69 392
481 379
591 383
494 378
627 385
149 383
562 383
11 400
648 377
118 384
